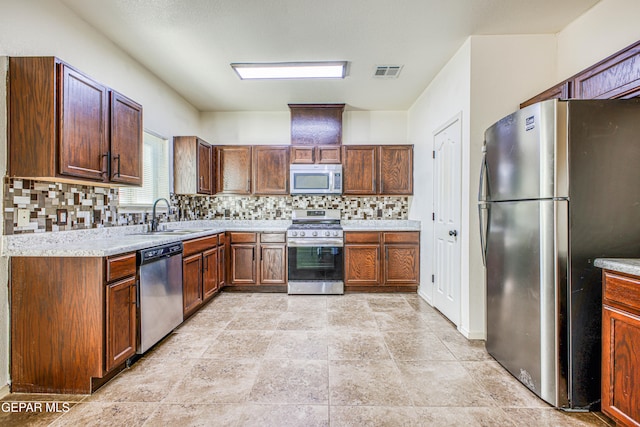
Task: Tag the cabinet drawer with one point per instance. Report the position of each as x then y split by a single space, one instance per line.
361 237
120 266
243 237
272 238
622 290
193 246
401 237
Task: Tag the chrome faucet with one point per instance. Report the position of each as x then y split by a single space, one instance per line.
154 220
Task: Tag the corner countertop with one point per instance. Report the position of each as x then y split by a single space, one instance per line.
101 242
621 265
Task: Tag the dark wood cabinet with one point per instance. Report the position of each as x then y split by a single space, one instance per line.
382 261
222 260
125 136
257 259
621 348
316 124
200 272
121 322
64 124
233 169
193 166
617 76
326 154
67 338
396 169
270 170
359 169
377 169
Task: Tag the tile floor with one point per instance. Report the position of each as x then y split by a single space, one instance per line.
277 360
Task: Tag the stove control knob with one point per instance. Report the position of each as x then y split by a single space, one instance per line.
302 234
294 233
327 233
335 234
315 233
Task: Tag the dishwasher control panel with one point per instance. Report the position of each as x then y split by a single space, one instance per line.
150 254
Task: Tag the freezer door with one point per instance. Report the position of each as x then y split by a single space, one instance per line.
526 154
526 278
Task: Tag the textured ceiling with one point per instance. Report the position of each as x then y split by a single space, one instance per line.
189 44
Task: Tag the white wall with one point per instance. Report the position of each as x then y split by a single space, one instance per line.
49 28
267 127
606 28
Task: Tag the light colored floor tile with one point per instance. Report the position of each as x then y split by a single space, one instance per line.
309 345
303 321
188 415
462 348
239 345
307 303
183 345
285 416
255 320
356 321
465 417
291 382
366 383
373 416
357 346
400 320
416 345
107 414
551 417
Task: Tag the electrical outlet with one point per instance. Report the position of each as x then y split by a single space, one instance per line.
23 217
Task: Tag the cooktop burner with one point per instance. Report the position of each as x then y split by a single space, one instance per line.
315 223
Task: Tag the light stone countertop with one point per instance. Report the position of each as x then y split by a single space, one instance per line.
621 265
101 242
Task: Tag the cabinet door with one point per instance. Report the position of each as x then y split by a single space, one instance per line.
362 264
234 170
620 365
126 140
82 126
302 155
243 264
359 169
396 169
210 273
191 283
270 170
205 172
401 264
222 265
273 264
121 322
328 155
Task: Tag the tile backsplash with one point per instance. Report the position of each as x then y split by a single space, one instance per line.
53 206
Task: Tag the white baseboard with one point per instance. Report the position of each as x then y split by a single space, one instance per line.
424 296
472 335
4 391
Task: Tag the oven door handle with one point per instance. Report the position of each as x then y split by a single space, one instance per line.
316 243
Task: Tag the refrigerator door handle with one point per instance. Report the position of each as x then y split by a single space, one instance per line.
483 172
483 230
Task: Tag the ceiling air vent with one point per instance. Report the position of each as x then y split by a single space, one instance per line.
387 71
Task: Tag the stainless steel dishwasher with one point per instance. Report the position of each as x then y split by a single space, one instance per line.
160 293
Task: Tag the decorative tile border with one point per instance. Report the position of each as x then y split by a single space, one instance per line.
56 206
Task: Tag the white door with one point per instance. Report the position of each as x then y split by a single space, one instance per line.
447 200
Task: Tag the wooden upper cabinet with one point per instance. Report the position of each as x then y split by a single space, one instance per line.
63 125
396 169
126 134
193 166
559 91
359 169
270 169
82 126
377 169
316 124
233 169
326 154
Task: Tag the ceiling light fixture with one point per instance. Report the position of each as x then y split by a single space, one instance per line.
291 70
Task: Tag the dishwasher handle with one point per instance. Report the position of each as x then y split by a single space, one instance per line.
156 253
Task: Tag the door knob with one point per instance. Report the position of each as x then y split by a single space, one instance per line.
453 233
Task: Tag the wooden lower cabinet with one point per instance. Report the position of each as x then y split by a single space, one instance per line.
621 348
200 272
73 321
382 261
257 261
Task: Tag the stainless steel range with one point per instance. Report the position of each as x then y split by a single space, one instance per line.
315 252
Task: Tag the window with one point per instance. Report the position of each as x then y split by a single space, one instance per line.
155 178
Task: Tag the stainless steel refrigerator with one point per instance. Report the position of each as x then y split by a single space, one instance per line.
559 187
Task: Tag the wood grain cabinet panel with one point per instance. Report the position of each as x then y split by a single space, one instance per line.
401 264
396 169
193 166
362 264
325 154
621 348
257 260
273 258
359 169
210 273
559 91
191 284
125 137
316 124
121 323
65 125
270 170
201 275
233 169
243 264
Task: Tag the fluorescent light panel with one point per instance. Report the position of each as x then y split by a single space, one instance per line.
291 70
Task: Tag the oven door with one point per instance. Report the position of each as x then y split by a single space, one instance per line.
315 263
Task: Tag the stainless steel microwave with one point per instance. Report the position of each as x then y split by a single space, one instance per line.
316 179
